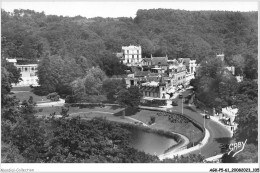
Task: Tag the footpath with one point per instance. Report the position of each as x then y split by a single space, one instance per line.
61 102
179 148
189 150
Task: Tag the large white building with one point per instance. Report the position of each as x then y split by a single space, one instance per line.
177 71
28 73
132 55
190 65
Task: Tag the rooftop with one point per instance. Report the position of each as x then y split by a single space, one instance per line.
159 61
186 61
131 47
151 84
27 65
149 88
141 73
11 60
147 59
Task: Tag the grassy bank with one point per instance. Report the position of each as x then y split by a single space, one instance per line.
162 123
24 93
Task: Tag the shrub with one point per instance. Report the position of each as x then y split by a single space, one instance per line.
67 105
53 96
153 103
64 111
70 99
152 120
40 91
86 105
93 98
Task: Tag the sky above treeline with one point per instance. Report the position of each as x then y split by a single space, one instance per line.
104 8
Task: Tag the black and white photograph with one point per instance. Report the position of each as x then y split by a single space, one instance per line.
161 83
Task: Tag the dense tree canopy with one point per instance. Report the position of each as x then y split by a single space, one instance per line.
247 118
214 84
177 33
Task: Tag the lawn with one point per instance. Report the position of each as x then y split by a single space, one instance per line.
162 122
48 110
22 89
57 110
86 113
24 93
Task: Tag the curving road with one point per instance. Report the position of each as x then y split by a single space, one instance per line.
218 134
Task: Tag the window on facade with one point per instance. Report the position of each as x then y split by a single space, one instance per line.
25 69
132 82
32 68
163 88
163 96
127 51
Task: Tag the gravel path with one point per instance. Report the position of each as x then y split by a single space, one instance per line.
61 102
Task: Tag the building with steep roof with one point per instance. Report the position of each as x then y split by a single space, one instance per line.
154 89
159 61
190 64
146 62
177 71
141 73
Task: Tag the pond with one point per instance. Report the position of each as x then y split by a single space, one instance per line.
150 143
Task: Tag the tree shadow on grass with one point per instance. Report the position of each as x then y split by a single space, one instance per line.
128 112
87 106
114 107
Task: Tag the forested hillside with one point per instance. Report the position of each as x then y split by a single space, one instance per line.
81 43
178 33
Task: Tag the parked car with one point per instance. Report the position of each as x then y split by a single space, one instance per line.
180 95
207 116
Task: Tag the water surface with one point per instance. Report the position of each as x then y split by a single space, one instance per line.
150 143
